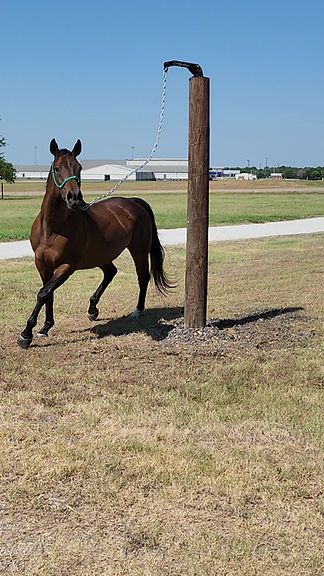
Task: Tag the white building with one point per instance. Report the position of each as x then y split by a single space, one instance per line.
159 169
245 176
30 172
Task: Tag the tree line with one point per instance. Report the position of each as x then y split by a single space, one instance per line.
289 172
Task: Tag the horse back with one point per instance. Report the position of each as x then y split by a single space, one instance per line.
118 217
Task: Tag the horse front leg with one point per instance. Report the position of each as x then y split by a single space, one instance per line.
49 317
44 295
46 275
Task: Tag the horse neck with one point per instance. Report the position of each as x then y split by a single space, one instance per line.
53 209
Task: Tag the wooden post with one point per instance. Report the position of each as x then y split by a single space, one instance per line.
198 204
2 190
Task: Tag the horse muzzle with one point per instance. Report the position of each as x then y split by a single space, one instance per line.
74 199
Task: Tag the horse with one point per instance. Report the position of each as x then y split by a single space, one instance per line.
68 235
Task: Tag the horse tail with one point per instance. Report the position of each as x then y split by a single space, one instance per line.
161 281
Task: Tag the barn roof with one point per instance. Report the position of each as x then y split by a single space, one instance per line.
90 164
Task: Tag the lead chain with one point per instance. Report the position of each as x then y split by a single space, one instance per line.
162 109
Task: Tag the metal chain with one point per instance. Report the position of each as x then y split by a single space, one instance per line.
162 108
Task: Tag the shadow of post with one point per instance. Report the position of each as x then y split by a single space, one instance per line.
222 324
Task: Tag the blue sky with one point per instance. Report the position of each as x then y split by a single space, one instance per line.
93 70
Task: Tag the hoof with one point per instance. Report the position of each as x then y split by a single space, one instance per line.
93 316
24 342
136 314
42 335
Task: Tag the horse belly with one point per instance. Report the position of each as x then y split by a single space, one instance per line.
96 254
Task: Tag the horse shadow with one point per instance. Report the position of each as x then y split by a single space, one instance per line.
157 323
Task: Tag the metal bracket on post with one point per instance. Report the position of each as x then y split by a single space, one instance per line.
195 69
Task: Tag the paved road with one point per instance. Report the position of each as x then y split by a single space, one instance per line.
218 233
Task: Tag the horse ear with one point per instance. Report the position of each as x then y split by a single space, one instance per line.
77 148
54 149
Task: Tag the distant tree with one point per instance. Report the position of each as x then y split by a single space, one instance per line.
289 172
263 172
249 169
7 171
312 173
301 173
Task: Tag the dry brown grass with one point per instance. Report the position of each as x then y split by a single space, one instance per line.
31 188
123 454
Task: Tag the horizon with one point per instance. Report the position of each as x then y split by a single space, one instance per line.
159 158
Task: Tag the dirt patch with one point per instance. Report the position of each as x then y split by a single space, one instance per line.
263 330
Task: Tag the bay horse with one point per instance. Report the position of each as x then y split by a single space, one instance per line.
69 235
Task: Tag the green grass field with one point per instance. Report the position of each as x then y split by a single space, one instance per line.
124 453
226 207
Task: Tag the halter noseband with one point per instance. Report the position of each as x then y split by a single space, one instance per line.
60 186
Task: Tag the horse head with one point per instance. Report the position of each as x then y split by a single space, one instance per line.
65 173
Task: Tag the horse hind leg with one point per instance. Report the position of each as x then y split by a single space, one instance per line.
109 271
143 275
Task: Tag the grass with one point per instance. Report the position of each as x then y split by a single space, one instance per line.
123 455
226 207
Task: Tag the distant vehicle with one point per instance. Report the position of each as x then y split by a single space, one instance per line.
214 174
